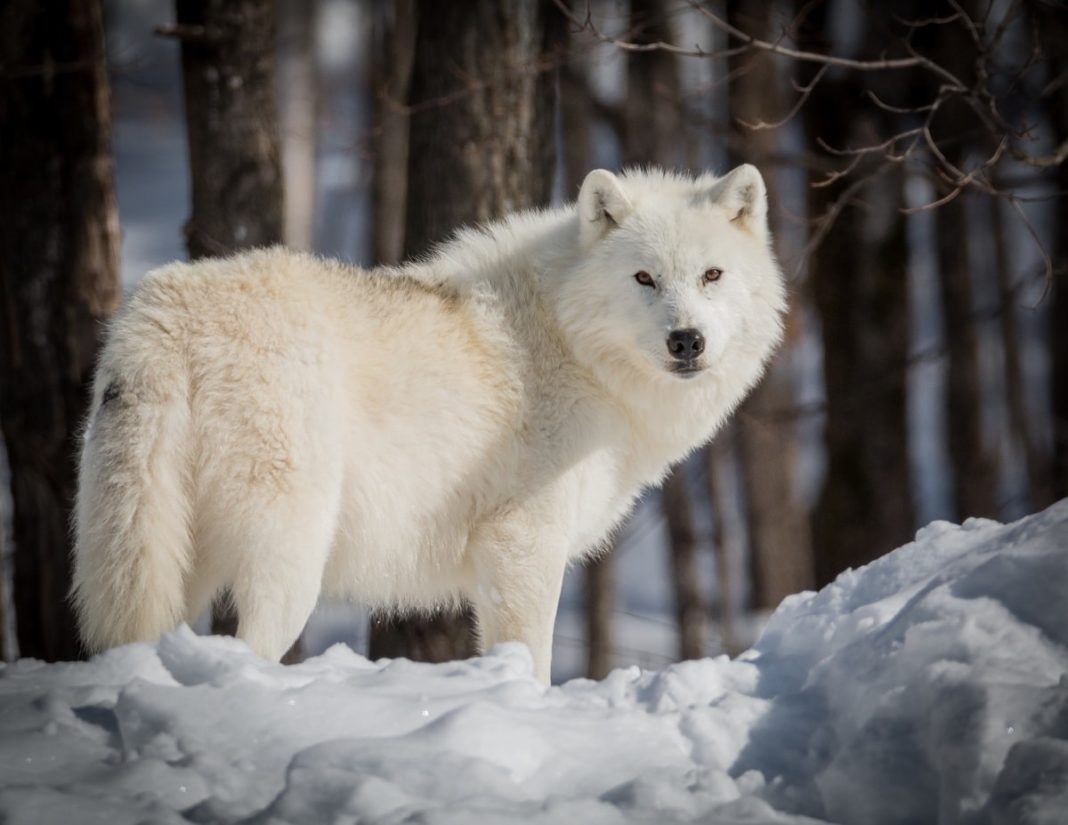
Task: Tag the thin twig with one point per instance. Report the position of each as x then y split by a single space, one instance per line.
806 93
182 31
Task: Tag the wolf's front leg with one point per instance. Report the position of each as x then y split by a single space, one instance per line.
517 594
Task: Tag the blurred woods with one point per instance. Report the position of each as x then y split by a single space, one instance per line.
916 156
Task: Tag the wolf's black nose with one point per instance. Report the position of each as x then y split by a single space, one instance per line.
686 344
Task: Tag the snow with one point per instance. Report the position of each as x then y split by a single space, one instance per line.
927 687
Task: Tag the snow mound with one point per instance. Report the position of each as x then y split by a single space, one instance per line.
929 686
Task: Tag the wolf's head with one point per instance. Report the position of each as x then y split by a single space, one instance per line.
675 279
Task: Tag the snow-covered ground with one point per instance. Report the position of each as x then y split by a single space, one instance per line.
927 687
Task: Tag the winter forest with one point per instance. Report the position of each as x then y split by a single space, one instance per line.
916 158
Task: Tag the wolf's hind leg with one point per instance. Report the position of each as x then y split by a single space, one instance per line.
278 583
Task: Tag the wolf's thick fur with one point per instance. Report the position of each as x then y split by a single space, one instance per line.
460 427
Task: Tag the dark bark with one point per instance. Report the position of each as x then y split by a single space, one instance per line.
423 638
780 552
859 280
860 283
482 114
228 74
972 459
1058 326
717 458
392 53
599 593
481 146
651 121
6 655
974 471
576 122
691 613
1053 23
1020 422
59 245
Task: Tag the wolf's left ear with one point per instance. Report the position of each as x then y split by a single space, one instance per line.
602 205
742 194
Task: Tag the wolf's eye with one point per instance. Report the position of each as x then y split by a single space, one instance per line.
645 279
712 275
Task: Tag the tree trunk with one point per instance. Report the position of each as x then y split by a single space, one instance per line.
651 122
716 460
860 283
691 613
974 471
1054 26
599 593
228 73
479 78
59 244
576 123
392 53
298 94
859 279
438 638
481 146
973 464
1058 324
780 551
6 654
1020 422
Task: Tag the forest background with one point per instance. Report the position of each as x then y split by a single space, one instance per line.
917 159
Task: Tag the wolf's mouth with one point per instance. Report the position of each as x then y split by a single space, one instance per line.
686 369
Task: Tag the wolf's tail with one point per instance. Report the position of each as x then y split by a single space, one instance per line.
133 548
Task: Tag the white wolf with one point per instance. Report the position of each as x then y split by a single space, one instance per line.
457 428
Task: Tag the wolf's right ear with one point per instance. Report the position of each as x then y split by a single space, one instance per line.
742 193
602 205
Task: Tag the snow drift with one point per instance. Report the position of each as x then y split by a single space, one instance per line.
929 686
